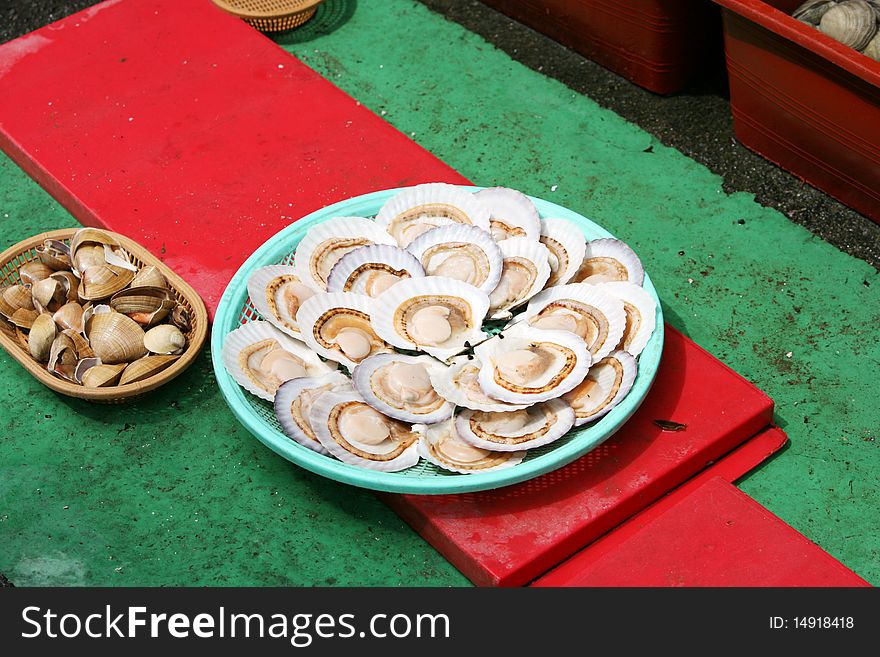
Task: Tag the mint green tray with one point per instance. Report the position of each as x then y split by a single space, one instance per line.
258 415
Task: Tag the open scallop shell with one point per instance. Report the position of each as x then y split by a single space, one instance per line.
277 292
416 210
248 344
373 269
440 316
440 444
295 398
465 253
326 243
400 387
459 384
526 270
525 365
607 383
588 311
337 326
528 428
357 434
641 315
511 213
607 260
567 245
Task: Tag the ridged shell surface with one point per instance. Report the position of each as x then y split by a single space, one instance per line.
440 444
465 253
326 243
400 387
415 210
357 434
337 325
567 245
433 314
277 292
607 383
640 311
243 345
459 384
529 428
372 269
525 272
607 260
294 399
511 213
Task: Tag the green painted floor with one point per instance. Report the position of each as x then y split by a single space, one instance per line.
171 490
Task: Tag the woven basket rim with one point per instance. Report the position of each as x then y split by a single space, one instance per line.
297 7
197 334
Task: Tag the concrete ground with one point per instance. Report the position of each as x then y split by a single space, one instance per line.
92 495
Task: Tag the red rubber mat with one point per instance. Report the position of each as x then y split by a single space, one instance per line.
510 536
713 535
183 128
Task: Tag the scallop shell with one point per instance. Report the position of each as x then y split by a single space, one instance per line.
528 428
594 314
525 272
291 407
567 245
331 418
609 259
440 444
337 326
640 311
243 344
607 383
465 253
525 365
326 243
400 387
394 311
373 269
416 210
459 384
277 292
853 23
511 213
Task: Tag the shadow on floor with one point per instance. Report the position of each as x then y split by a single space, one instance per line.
330 16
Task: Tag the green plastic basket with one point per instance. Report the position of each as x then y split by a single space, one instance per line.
258 415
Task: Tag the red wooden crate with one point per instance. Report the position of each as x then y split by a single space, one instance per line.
657 44
805 101
509 536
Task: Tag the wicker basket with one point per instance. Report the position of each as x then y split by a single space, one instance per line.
271 15
15 256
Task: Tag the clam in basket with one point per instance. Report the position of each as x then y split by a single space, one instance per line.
237 315
188 304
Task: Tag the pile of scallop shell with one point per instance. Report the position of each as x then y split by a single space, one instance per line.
402 301
855 23
91 315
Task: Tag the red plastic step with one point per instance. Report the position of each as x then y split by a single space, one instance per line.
510 536
715 535
657 44
805 101
181 127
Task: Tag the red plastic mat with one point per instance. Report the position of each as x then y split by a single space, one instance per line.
510 536
709 535
181 127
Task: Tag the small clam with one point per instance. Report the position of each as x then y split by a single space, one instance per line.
853 23
115 338
811 11
69 316
33 271
145 367
54 254
41 337
69 282
24 318
164 339
98 375
180 318
48 295
145 305
872 50
149 276
81 346
102 281
15 297
62 358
